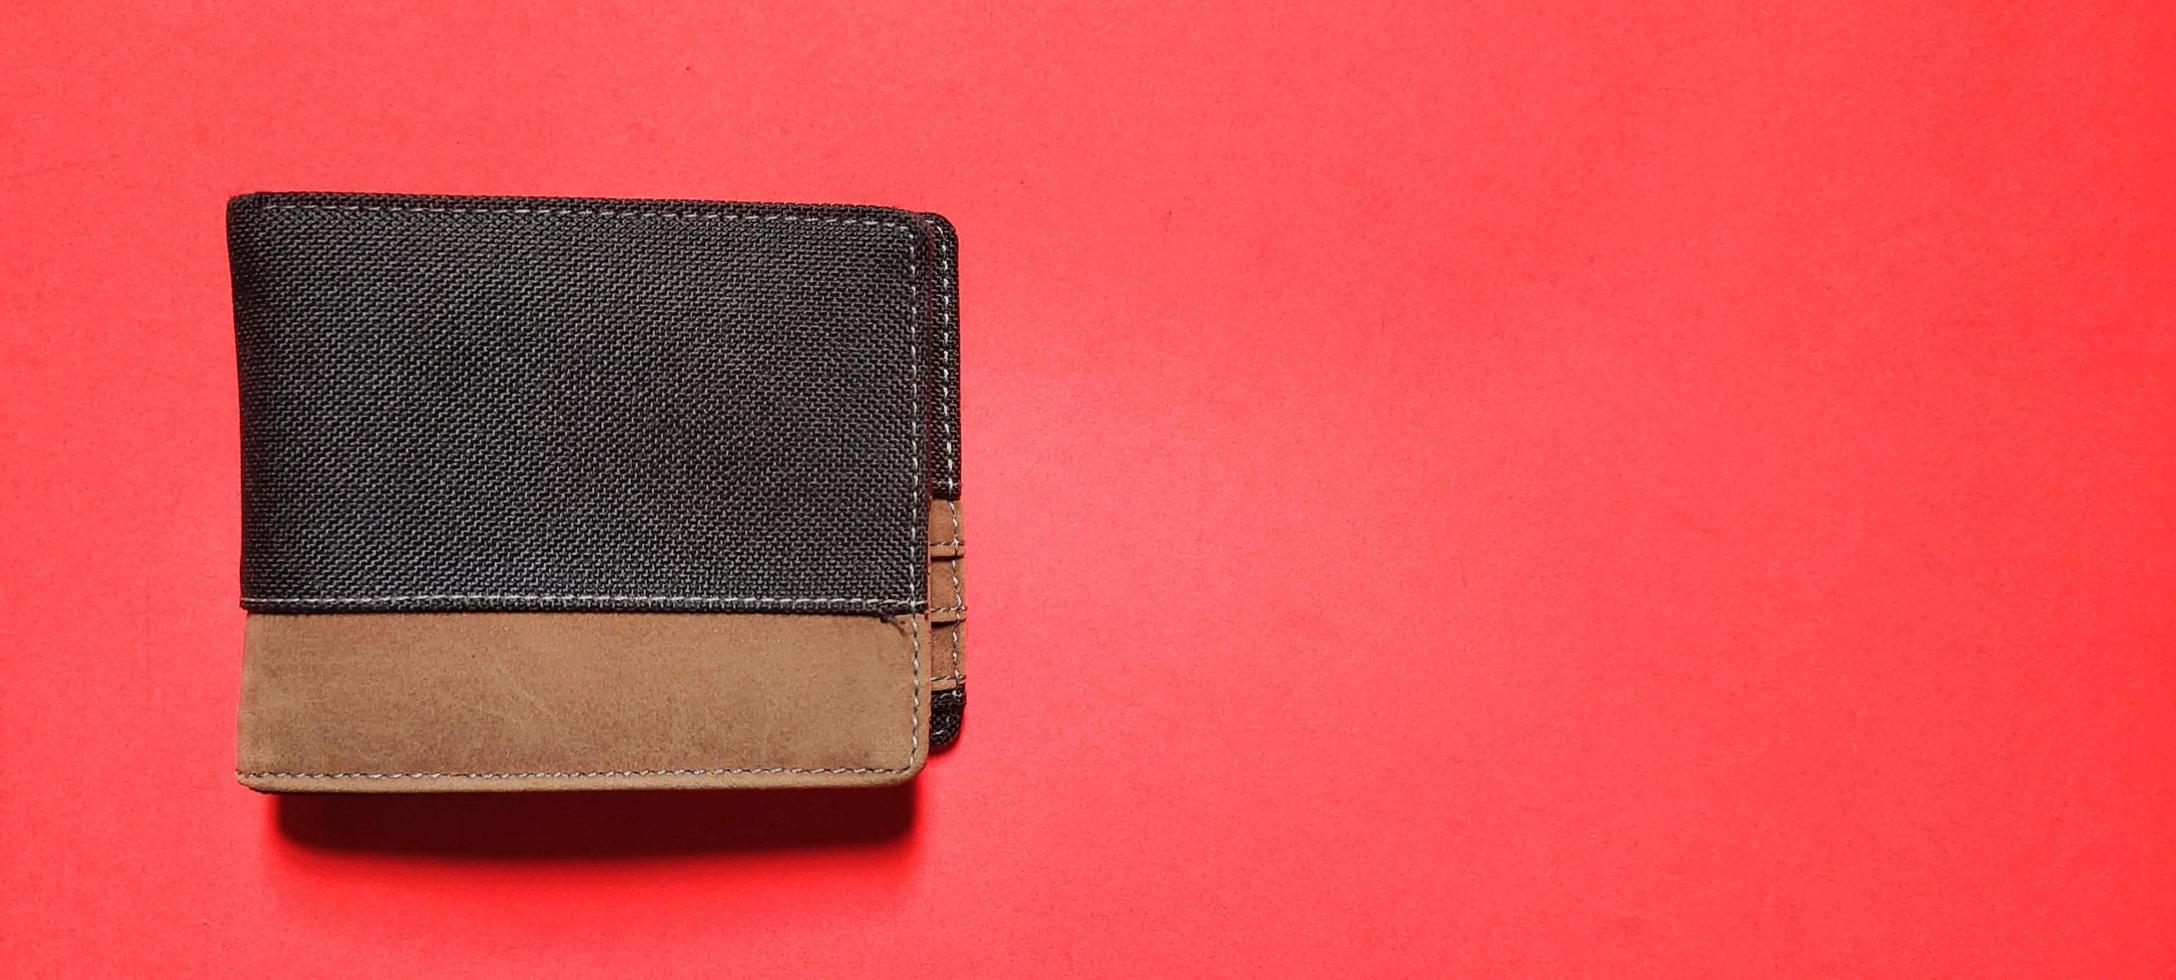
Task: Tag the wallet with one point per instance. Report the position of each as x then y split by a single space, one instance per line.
558 493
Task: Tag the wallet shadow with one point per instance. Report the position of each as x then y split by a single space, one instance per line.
603 825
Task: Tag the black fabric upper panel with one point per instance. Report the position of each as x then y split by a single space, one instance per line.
502 403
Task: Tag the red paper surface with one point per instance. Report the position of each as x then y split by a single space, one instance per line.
1613 489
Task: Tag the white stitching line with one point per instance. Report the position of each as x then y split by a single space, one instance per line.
596 213
914 713
948 321
917 505
959 592
365 600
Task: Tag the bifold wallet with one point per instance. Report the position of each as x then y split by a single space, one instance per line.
590 494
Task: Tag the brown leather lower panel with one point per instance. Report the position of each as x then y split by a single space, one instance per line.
947 668
390 702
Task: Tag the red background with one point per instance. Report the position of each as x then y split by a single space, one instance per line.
1488 491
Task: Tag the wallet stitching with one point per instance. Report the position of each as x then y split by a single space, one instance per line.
914 400
874 604
914 682
552 775
916 552
948 324
959 592
599 213
952 507
959 589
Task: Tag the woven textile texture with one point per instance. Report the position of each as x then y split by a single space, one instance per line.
519 403
947 709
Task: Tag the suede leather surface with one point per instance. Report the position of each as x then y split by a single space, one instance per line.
947 591
947 666
403 702
945 539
